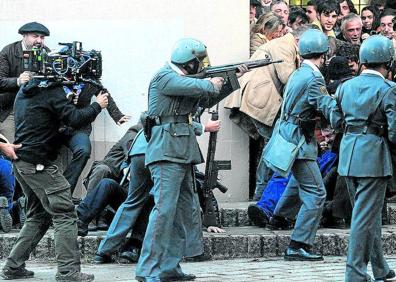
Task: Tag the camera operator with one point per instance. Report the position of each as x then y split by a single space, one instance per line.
11 74
76 137
38 115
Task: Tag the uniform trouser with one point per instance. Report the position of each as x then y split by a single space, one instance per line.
129 211
7 128
107 192
306 186
367 197
47 198
175 228
80 145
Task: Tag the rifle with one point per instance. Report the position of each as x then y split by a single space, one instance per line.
212 168
228 72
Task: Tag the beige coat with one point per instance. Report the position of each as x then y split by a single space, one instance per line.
260 94
256 40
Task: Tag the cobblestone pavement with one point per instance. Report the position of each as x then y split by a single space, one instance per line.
275 269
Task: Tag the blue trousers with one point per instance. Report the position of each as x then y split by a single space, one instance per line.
129 211
306 185
80 145
107 192
175 228
7 181
367 197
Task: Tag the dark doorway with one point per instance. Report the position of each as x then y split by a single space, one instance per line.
255 149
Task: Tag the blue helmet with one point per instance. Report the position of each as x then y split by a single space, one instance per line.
376 49
313 41
187 49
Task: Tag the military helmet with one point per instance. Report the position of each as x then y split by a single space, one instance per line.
376 49
187 49
313 41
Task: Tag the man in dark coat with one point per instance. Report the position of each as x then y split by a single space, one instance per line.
12 75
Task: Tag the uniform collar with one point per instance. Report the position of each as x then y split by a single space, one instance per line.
373 72
312 65
175 68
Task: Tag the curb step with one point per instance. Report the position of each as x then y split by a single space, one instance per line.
238 242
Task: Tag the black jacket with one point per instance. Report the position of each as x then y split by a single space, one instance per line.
84 100
38 116
10 69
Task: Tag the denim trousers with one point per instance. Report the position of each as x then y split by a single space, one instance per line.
107 192
80 145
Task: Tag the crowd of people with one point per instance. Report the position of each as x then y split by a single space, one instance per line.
329 189
331 97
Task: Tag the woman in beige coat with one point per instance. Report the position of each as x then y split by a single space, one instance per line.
269 26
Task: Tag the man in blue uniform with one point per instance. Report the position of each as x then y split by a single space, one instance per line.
305 96
369 104
172 150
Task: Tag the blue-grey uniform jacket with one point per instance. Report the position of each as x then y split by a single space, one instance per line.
309 80
173 94
367 155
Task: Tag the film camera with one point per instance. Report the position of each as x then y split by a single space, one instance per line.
71 64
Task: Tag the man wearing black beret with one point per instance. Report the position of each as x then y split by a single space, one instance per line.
12 75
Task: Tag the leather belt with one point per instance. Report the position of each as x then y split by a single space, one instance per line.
173 119
366 129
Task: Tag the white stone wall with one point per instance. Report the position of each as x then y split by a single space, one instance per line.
136 38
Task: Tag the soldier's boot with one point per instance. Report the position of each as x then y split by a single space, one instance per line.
74 277
5 216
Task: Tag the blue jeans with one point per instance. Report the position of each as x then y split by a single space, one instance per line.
80 145
7 181
107 192
132 214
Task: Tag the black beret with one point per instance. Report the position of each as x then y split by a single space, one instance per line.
34 27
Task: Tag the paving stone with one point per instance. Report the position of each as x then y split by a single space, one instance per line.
229 217
389 243
269 245
254 246
207 244
283 241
